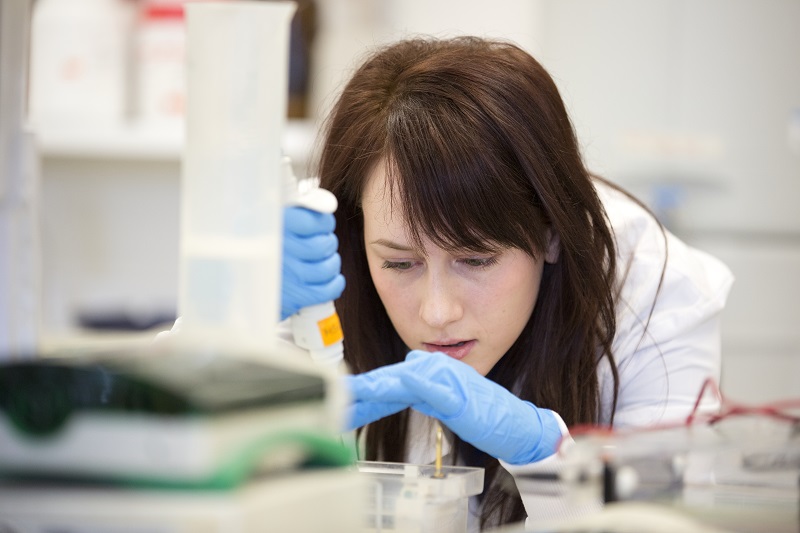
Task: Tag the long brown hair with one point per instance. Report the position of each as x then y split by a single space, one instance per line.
482 151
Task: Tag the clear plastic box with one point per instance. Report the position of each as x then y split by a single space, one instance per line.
408 498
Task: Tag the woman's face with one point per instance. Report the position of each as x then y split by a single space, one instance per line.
470 306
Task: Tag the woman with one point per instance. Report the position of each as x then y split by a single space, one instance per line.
492 281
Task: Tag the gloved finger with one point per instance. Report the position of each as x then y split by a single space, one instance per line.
314 248
382 385
363 413
324 292
424 358
445 398
370 385
423 378
295 296
305 222
312 272
441 382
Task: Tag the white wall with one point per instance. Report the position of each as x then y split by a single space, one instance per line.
696 93
350 29
761 338
110 237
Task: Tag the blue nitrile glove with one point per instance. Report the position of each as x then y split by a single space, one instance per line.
475 408
311 266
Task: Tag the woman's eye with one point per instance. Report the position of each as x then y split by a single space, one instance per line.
398 265
480 262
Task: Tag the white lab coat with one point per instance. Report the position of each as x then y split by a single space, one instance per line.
661 369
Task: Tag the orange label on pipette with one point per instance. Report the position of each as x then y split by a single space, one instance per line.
331 330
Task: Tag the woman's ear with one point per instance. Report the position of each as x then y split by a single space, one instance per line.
553 247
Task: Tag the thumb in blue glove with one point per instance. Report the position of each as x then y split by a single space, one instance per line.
311 266
475 408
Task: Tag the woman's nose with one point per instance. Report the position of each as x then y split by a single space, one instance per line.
440 303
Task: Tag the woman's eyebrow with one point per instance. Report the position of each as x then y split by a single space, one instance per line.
393 245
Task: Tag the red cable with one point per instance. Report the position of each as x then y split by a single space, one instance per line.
727 409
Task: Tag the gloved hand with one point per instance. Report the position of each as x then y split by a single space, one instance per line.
475 408
311 265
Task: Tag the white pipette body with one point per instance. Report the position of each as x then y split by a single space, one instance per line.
315 328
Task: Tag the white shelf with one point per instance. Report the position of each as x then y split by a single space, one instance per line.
114 142
134 141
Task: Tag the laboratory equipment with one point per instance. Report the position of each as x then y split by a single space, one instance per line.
739 473
232 202
413 499
20 285
166 417
438 473
315 328
307 501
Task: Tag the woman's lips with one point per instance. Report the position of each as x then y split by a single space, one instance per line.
456 350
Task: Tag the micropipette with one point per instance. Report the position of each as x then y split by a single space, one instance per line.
315 328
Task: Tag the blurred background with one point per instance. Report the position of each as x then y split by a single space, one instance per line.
693 105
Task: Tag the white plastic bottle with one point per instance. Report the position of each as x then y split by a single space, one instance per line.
160 60
80 52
